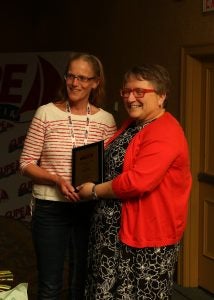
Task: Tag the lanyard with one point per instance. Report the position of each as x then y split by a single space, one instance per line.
70 124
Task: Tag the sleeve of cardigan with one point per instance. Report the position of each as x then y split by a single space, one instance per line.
147 164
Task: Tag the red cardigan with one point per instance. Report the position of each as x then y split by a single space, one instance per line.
155 184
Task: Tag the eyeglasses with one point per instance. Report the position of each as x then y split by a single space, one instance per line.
81 78
138 92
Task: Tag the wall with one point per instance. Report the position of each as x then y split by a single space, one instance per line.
120 32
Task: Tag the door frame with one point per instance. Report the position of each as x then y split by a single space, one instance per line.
190 112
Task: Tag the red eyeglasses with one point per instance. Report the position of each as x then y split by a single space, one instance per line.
138 92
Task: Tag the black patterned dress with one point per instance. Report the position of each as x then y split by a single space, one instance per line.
103 243
116 271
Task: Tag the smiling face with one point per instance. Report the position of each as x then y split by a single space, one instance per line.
77 89
144 108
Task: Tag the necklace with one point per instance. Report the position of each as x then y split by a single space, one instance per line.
142 123
71 128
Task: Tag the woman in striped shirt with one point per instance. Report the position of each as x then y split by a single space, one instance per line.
58 221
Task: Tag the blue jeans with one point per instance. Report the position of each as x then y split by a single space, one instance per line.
60 229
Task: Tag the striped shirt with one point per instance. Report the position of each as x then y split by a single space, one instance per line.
48 143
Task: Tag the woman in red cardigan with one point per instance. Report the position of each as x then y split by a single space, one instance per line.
142 206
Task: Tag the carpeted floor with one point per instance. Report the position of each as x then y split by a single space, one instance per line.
181 293
17 254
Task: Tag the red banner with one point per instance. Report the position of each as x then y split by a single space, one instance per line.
27 80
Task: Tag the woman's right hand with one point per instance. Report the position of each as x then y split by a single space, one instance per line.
42 176
67 189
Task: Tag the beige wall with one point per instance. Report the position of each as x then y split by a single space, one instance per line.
120 32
